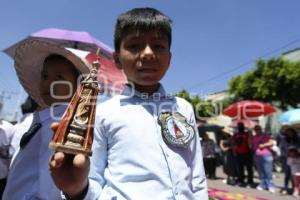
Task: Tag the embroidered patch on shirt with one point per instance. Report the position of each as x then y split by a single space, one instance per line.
175 129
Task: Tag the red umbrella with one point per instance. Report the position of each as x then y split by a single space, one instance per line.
248 109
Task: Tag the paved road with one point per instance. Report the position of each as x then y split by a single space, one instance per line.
278 180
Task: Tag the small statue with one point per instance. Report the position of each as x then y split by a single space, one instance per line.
75 132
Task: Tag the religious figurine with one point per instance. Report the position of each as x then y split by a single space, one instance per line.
75 132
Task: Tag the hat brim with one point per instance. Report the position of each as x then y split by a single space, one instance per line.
29 59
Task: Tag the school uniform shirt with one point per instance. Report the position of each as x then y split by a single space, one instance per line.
18 131
29 176
132 161
6 133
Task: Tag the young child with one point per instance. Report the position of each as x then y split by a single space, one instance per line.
145 145
51 74
294 162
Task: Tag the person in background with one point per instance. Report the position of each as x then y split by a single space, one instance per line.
241 146
261 146
293 161
6 133
290 138
209 157
230 166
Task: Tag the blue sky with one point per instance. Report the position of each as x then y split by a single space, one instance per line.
213 40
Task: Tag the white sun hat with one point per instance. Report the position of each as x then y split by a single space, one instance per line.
29 58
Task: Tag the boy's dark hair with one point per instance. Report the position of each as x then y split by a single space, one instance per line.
143 19
57 57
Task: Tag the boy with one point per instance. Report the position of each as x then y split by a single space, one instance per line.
53 74
144 147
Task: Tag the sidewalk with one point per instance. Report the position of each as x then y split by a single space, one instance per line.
251 192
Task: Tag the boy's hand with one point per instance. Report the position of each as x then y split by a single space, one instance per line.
69 172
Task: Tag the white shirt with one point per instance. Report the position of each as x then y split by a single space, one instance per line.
6 133
130 158
29 176
18 131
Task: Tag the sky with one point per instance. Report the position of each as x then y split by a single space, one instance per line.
213 40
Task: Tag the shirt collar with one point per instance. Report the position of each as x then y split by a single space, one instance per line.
129 91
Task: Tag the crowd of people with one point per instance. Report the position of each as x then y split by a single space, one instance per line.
248 150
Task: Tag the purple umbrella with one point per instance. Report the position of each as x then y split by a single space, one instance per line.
65 38
29 55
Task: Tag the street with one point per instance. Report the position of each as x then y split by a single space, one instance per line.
236 192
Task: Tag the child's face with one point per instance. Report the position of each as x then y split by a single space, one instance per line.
145 58
53 72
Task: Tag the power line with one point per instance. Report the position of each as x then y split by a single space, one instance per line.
242 65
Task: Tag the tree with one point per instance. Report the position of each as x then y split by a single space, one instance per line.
201 108
274 81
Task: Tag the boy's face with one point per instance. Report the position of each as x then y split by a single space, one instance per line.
58 81
145 58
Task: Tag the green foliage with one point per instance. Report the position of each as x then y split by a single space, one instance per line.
226 102
275 80
185 95
202 109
